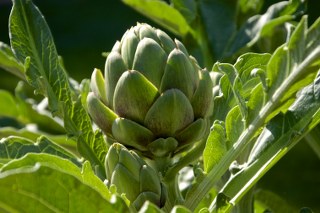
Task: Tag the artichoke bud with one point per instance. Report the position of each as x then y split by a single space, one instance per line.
163 147
116 47
133 96
146 31
194 132
202 98
131 134
97 85
114 68
128 48
100 113
170 113
166 42
179 74
132 176
144 60
181 47
159 96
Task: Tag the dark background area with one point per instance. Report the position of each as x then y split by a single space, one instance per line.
83 29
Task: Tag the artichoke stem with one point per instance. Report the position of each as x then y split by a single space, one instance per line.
161 164
174 196
172 193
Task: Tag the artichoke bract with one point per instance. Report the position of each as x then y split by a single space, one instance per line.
153 97
132 176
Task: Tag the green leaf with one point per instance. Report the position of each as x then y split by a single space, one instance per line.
188 8
261 25
245 68
33 44
222 102
161 13
288 57
44 183
235 89
283 74
225 101
8 105
298 67
29 35
247 62
32 135
9 62
16 147
222 30
238 84
250 6
218 20
255 102
278 137
216 146
234 126
25 113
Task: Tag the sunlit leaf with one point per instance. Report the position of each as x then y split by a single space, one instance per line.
234 126
162 13
277 138
287 68
9 63
17 147
45 183
26 113
216 146
32 43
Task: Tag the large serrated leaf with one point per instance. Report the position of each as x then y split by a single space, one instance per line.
32 135
17 147
32 43
44 183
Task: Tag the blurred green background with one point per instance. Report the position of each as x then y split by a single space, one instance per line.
83 29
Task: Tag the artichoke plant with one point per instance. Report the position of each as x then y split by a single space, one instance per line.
132 176
154 97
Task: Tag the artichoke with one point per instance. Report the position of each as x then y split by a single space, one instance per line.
132 176
154 97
